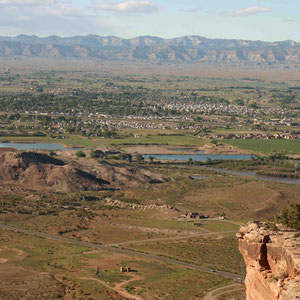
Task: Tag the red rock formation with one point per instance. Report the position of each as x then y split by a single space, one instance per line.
273 261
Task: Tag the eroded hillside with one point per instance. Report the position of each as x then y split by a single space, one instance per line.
40 171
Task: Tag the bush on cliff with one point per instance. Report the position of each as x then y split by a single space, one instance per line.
289 216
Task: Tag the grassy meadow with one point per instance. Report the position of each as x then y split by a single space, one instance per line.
266 146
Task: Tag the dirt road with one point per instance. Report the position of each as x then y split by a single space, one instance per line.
122 251
118 287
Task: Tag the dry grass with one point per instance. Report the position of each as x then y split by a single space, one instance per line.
52 270
208 252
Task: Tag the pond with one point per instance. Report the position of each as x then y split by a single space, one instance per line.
36 146
198 157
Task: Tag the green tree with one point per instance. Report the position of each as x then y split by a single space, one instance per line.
208 161
80 154
239 102
125 156
151 158
289 216
253 105
97 154
70 129
190 161
139 157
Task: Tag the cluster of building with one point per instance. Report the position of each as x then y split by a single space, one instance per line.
258 135
221 108
194 215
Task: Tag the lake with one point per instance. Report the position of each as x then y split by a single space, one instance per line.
198 157
36 146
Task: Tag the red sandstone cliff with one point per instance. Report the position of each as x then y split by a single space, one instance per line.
273 262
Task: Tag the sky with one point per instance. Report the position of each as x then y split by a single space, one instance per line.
269 20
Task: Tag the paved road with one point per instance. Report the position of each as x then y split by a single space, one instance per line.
215 294
118 250
173 238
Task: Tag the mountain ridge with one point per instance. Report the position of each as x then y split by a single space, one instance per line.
189 48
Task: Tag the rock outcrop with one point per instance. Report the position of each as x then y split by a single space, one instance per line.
272 258
41 171
37 171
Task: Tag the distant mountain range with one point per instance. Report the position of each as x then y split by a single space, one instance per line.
152 49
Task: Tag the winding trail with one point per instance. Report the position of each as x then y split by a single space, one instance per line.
118 287
122 251
270 202
215 294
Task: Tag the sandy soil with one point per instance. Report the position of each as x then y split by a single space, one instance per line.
19 255
109 262
221 149
2 150
41 171
207 149
153 149
3 260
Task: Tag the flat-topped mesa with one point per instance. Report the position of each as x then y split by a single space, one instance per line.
272 258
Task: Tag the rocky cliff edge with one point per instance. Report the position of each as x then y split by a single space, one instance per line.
272 258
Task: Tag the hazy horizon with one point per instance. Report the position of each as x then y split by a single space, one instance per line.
138 36
251 20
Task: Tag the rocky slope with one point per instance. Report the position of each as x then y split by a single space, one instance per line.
40 171
152 49
273 262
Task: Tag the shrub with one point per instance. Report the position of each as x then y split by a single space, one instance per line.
125 156
139 157
151 158
80 154
289 216
97 154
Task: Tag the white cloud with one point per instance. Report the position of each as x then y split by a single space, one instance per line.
192 10
25 2
249 11
47 17
131 6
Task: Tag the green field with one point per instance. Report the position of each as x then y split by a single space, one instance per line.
155 139
219 226
69 141
75 140
266 146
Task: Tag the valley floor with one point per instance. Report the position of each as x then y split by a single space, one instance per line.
58 240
